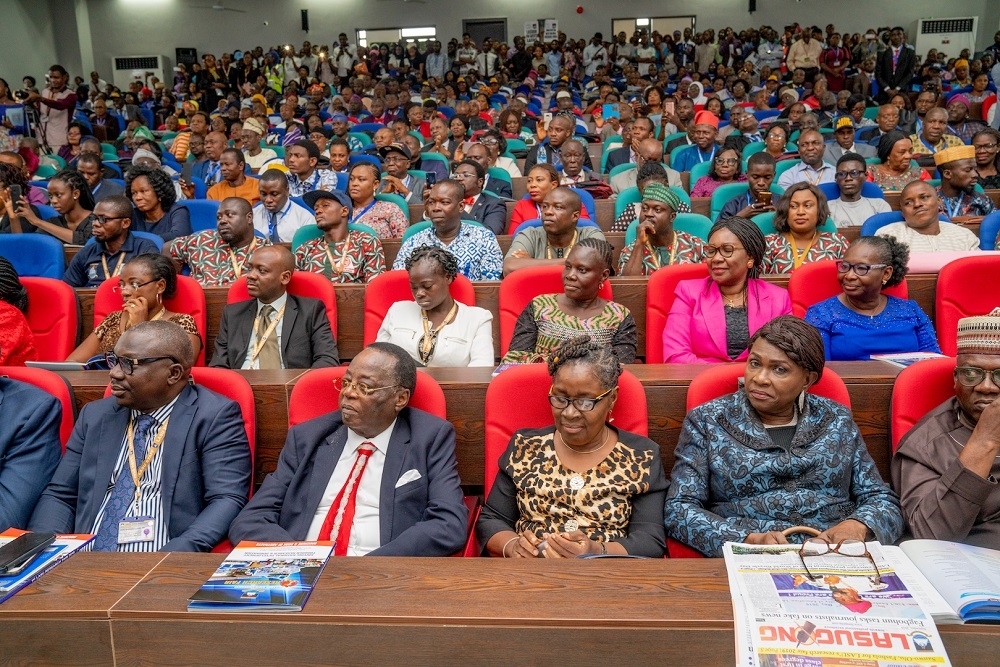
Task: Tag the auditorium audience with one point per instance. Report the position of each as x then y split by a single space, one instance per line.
861 320
549 319
784 434
947 465
360 252
921 229
156 208
434 328
798 215
17 342
616 477
712 319
418 511
144 283
656 240
218 257
113 245
194 485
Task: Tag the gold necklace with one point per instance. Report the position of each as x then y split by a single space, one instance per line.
607 434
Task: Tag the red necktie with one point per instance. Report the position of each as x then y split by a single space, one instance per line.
340 518
469 201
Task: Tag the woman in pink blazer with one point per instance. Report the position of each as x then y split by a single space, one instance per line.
712 319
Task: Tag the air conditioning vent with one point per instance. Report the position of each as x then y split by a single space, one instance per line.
936 26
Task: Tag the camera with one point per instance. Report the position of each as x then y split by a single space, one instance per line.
20 95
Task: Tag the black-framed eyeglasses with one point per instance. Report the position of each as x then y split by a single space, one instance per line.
850 548
343 385
103 219
581 404
860 270
726 250
128 364
985 147
853 173
972 376
488 141
132 286
726 161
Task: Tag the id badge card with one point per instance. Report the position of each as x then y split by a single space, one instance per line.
136 529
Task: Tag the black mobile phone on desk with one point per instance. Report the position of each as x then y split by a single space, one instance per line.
19 552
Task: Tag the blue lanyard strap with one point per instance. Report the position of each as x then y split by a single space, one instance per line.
358 214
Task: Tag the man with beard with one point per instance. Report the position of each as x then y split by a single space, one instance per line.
957 167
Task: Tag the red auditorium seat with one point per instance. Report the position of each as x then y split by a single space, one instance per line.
919 389
967 286
52 316
303 283
392 286
817 281
52 383
659 299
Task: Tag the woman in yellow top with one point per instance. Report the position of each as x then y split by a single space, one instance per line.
797 217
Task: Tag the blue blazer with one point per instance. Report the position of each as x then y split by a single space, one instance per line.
205 471
424 517
29 448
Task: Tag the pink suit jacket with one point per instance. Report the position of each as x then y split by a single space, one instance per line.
696 326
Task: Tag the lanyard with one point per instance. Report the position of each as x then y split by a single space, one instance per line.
358 215
799 257
952 212
929 147
338 267
118 266
656 255
548 248
137 473
259 345
237 267
710 157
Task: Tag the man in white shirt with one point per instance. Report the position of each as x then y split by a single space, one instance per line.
645 55
377 477
345 56
466 55
921 229
595 55
850 209
811 169
277 217
487 62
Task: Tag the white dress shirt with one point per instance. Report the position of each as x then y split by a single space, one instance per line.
468 341
366 532
277 304
290 218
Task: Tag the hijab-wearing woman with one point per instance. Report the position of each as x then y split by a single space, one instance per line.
770 457
435 329
861 320
894 170
581 486
797 217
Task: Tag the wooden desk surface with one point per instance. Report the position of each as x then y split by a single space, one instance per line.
461 611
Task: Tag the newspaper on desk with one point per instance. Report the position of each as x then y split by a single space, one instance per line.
845 616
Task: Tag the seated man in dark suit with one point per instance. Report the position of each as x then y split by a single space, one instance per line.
189 445
29 448
407 500
92 168
486 209
274 329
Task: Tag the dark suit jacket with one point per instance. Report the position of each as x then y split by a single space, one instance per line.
424 517
499 187
205 471
306 338
111 127
491 212
616 157
29 448
549 151
900 79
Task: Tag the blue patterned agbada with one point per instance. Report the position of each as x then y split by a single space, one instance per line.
730 479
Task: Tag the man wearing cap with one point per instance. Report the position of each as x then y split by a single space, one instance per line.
957 168
843 133
341 254
850 209
811 169
921 229
657 243
703 134
397 180
303 176
947 466
218 257
895 66
475 248
235 182
277 217
959 123
274 329
595 55
886 120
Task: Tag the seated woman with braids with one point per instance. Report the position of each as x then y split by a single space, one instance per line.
435 329
580 486
70 196
551 319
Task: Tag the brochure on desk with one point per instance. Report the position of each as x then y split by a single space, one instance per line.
844 616
56 552
967 577
264 577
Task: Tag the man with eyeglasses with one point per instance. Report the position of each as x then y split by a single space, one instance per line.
113 245
850 209
191 472
397 179
947 466
812 169
375 476
843 134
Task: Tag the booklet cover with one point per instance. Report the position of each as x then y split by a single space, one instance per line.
264 577
54 554
904 359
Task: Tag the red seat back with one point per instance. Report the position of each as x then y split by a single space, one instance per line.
957 296
919 389
659 300
52 317
527 388
387 288
314 395
817 281
190 299
721 379
304 284
520 287
51 383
